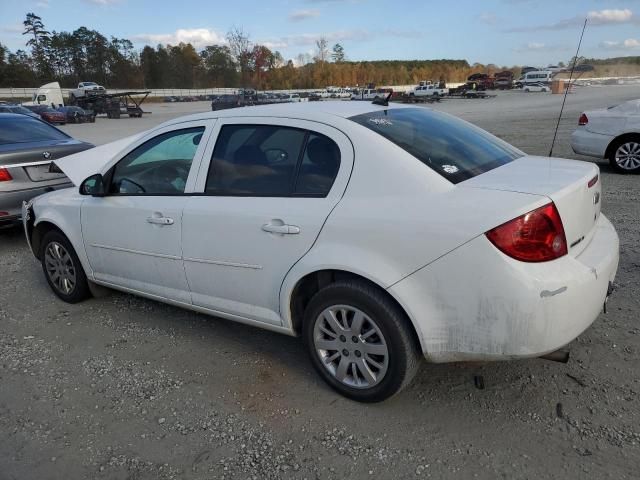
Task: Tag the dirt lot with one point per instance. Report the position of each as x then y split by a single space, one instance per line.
124 388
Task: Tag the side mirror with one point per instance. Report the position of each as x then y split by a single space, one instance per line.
94 186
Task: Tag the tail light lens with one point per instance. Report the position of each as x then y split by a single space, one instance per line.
5 176
537 236
583 120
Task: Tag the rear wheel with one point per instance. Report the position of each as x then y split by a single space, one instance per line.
625 155
62 268
360 341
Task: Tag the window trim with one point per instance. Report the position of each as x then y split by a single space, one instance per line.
291 193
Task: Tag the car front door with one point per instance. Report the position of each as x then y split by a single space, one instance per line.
267 188
132 235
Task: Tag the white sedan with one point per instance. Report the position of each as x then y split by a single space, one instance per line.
536 87
380 234
612 133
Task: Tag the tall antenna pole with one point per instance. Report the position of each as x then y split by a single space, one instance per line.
566 91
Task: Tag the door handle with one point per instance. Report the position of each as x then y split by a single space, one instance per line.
281 229
160 220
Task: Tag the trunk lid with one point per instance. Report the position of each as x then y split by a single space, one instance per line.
566 182
34 158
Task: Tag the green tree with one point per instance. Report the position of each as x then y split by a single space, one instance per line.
33 26
219 66
338 53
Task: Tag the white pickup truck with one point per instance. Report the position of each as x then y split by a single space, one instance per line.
370 93
429 90
86 89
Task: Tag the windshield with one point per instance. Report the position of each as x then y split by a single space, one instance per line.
27 129
451 147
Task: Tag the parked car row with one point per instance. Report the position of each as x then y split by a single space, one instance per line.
60 115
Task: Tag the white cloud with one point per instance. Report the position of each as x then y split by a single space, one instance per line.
538 47
595 17
298 15
628 44
42 4
198 37
488 18
14 28
355 35
603 17
102 3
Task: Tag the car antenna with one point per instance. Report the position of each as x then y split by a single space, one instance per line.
566 91
383 101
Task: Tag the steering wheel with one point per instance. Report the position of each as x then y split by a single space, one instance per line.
164 176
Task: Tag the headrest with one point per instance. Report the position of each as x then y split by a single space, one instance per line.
322 151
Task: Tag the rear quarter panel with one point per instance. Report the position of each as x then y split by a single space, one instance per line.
398 215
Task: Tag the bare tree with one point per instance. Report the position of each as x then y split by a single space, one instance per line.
322 46
240 47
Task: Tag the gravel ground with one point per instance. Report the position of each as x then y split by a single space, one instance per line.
120 387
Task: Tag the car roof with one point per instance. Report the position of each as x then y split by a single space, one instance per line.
314 111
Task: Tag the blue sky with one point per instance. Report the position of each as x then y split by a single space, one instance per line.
506 32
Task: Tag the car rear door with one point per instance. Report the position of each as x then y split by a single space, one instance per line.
267 186
132 235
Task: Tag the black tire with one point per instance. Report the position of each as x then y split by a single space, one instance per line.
403 350
613 148
80 290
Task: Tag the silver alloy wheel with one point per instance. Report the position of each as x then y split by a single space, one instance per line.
628 156
60 268
351 346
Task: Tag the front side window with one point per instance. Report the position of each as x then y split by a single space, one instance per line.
159 166
451 147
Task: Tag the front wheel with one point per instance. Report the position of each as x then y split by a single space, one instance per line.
360 341
62 268
625 155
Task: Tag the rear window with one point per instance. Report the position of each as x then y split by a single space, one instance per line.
27 129
452 147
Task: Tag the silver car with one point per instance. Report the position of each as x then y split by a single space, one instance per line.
27 147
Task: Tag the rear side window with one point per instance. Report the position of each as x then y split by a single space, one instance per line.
27 129
269 160
453 148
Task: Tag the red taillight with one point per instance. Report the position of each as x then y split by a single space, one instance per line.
5 176
583 120
537 236
592 182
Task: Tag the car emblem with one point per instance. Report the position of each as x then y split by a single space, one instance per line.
596 198
46 155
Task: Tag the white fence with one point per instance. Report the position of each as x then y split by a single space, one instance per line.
182 92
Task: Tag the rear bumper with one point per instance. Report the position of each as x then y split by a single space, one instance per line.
590 144
11 202
477 304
